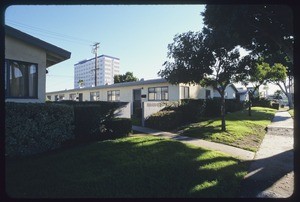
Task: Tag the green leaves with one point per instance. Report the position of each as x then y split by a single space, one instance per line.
127 77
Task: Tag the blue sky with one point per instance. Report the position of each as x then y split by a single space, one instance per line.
137 34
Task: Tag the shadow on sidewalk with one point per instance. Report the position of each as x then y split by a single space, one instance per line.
263 173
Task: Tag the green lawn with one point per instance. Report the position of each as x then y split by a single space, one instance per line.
242 131
127 167
291 111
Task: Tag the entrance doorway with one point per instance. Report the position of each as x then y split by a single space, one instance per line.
137 104
80 97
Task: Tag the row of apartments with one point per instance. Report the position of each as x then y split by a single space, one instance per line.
154 90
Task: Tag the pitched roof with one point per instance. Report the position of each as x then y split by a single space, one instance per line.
55 53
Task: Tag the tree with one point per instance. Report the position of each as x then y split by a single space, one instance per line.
278 76
257 73
264 29
196 59
80 83
127 77
277 94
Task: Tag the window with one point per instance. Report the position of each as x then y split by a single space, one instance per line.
72 96
158 93
94 96
113 95
185 92
21 79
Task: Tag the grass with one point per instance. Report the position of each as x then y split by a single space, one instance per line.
291 111
127 167
242 130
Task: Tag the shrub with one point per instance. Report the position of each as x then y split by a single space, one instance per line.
233 105
275 106
164 120
261 102
192 110
91 118
32 128
118 127
212 108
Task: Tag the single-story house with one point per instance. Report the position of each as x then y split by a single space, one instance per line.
154 90
26 60
244 95
230 92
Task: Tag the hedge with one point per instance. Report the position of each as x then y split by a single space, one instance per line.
91 118
32 128
118 127
189 111
164 120
261 102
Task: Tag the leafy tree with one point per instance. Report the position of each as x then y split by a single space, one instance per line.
278 75
277 94
264 29
257 73
196 59
127 77
80 83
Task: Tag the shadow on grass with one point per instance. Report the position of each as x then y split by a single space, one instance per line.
129 167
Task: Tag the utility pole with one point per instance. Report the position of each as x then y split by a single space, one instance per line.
94 50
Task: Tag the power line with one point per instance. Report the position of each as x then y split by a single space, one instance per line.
51 33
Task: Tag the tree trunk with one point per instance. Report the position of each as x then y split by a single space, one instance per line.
223 112
288 95
250 103
290 100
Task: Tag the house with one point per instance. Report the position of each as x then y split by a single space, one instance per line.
26 60
230 92
243 94
154 92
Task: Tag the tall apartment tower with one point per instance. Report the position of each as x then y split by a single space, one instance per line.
107 68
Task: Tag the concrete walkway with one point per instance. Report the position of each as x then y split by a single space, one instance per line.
271 173
233 151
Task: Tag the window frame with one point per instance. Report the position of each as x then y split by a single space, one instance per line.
162 96
7 68
113 93
95 94
185 89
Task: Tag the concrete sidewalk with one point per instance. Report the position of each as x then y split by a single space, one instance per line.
233 151
271 173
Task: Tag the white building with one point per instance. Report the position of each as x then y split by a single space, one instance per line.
107 68
230 92
153 92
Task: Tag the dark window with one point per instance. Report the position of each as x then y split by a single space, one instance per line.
158 93
21 79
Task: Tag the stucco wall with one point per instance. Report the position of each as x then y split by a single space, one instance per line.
202 91
18 50
231 94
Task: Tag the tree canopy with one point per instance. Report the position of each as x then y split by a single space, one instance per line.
194 58
264 29
127 77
